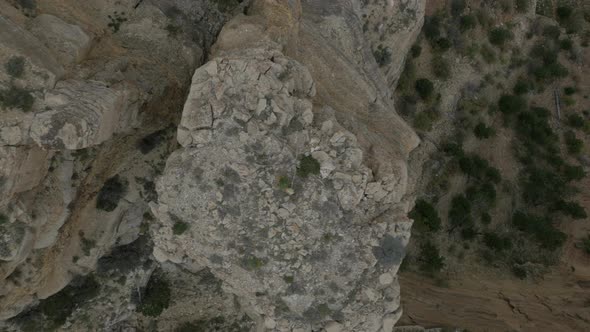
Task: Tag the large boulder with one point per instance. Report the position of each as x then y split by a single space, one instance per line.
298 249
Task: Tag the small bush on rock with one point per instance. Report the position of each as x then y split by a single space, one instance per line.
111 193
425 217
15 97
308 165
156 297
15 66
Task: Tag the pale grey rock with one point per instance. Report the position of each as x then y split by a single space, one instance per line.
69 42
294 259
80 114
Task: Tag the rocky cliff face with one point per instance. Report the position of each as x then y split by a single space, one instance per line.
79 87
289 184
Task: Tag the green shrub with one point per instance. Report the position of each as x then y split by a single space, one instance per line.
460 212
252 263
488 54
156 297
566 44
476 167
499 36
519 272
426 119
563 13
484 193
486 218
15 66
441 67
284 183
511 104
15 97
424 87
442 44
576 121
533 127
431 262
382 55
541 228
180 227
3 218
574 145
416 50
496 242
522 86
522 5
425 217
431 28
468 233
571 209
151 141
111 193
467 22
116 20
571 173
569 90
542 186
453 149
457 7
58 307
482 131
308 165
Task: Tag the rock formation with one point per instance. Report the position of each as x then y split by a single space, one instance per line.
300 251
289 185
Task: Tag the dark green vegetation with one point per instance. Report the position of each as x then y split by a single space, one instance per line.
53 312
15 97
470 210
116 20
382 55
425 217
284 183
111 193
252 262
156 297
180 227
431 262
424 88
308 165
15 66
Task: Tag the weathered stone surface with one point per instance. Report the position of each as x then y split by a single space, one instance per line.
69 42
41 69
21 169
295 257
394 26
80 114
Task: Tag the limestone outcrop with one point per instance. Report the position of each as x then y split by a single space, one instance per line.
80 87
274 195
279 187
